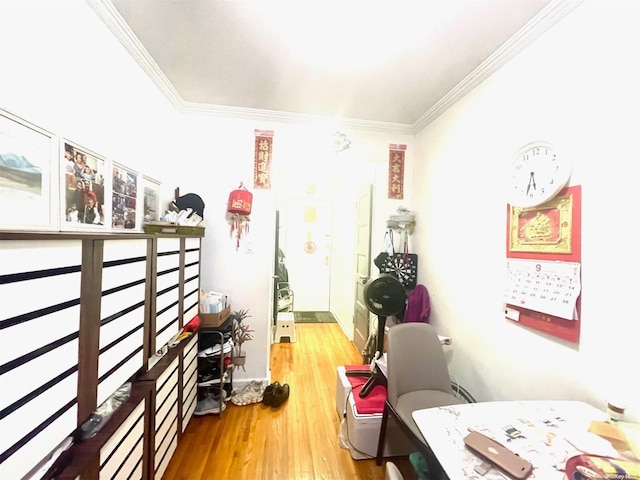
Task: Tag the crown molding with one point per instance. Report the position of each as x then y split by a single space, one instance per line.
116 24
555 11
114 21
543 21
295 118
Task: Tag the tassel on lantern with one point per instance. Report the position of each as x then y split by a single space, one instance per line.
239 227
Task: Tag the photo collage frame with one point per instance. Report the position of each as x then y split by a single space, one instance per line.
51 183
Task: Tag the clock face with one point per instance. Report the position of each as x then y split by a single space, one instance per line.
538 174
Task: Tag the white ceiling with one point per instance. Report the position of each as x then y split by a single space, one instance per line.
371 61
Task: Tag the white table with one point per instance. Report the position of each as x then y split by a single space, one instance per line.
550 432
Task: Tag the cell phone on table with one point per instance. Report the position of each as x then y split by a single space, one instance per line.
498 455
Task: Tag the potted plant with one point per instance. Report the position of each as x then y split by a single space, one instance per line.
242 332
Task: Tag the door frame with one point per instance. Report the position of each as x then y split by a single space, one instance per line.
364 219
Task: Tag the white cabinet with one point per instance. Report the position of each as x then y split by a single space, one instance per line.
81 314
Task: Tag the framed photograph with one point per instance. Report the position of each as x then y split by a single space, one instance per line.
28 183
124 199
84 199
151 194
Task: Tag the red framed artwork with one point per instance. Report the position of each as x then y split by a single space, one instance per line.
547 236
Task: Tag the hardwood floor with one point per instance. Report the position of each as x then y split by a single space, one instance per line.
298 441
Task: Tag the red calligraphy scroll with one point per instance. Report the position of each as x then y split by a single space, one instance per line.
262 159
396 171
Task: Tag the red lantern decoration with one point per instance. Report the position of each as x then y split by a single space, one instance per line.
239 209
240 201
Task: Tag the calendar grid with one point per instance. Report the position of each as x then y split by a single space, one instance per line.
550 287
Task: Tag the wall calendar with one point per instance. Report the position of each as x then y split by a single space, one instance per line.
550 287
543 275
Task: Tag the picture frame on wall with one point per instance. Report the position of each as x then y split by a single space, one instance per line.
84 188
28 183
151 194
124 200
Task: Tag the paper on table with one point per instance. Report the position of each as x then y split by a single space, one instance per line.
590 443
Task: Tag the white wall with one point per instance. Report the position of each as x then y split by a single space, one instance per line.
66 72
218 154
365 163
576 87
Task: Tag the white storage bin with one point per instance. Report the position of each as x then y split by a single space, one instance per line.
359 433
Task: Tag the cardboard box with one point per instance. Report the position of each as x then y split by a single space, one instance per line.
214 320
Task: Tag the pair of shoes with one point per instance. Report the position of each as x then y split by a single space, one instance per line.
212 378
216 350
275 394
209 377
252 392
209 405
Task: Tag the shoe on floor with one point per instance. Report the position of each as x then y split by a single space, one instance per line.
267 397
280 395
252 392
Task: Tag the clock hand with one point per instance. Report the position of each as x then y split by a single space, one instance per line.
532 181
529 185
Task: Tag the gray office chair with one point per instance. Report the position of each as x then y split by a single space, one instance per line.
392 472
417 377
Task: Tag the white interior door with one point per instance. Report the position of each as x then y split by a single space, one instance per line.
307 252
364 205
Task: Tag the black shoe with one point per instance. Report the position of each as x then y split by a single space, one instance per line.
280 395
267 396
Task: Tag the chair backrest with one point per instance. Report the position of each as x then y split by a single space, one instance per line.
392 472
415 361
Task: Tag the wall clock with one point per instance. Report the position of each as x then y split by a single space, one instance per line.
537 174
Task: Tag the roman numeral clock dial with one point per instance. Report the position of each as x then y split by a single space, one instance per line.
537 175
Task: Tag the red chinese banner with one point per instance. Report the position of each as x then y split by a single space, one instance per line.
262 159
396 171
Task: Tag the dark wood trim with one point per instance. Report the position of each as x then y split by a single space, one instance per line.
89 334
161 365
89 340
181 324
182 262
149 346
74 461
148 462
26 235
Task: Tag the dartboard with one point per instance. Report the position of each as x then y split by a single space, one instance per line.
403 266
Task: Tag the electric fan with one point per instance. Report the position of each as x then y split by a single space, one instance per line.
384 296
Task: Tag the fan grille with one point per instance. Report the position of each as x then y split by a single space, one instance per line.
385 295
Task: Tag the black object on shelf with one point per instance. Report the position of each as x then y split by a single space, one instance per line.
215 365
